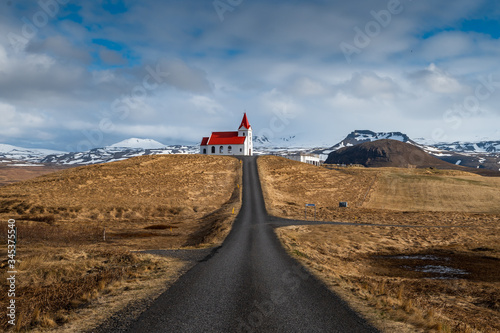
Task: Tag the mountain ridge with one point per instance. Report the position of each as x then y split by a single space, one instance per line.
386 153
361 136
136 143
484 154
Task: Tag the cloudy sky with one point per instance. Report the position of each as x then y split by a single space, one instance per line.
81 74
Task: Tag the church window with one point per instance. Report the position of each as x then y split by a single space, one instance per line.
221 149
213 150
229 149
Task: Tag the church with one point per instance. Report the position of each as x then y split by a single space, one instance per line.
229 143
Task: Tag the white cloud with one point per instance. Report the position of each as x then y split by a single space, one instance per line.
266 57
275 102
448 45
435 79
159 131
8 112
185 77
59 47
306 86
15 124
105 76
3 58
206 104
369 85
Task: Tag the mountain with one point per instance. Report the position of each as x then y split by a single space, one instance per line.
260 140
471 147
360 136
386 153
9 152
282 142
115 153
482 155
135 143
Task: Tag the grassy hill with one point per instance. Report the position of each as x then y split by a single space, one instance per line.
148 202
10 173
422 254
127 196
375 192
434 190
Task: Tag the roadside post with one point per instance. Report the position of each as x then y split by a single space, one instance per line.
305 211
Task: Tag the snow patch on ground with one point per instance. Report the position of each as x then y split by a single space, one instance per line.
25 165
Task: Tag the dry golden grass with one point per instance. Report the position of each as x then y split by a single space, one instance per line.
379 195
148 186
435 190
157 274
283 179
69 275
355 261
361 262
55 286
12 174
129 196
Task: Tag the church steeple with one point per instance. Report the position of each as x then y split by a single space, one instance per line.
245 129
244 123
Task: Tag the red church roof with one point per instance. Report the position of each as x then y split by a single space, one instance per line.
244 122
224 138
227 138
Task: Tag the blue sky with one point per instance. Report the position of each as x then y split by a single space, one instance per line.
81 74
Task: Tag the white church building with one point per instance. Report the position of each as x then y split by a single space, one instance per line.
229 143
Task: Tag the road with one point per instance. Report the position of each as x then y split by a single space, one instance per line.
249 284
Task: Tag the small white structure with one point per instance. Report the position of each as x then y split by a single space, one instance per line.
305 158
229 143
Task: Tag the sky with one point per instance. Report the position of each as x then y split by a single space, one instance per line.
76 75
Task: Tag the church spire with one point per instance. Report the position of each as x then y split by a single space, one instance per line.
244 122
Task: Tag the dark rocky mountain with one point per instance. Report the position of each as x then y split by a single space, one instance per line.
360 136
481 155
386 153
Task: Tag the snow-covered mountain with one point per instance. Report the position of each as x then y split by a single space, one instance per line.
25 154
282 142
259 141
361 136
470 147
116 152
485 154
135 143
299 140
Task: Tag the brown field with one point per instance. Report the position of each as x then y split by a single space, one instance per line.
68 274
430 278
13 174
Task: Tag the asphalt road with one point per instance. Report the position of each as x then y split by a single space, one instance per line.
249 284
